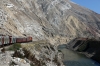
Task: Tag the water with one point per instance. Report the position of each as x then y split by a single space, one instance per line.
72 58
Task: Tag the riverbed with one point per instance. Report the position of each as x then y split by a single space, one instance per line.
72 58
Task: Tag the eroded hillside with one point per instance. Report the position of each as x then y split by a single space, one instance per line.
55 20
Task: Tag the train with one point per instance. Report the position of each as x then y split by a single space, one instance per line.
8 40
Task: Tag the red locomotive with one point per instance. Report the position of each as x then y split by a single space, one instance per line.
7 40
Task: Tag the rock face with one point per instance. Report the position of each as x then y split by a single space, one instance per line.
6 59
88 47
42 54
58 21
38 53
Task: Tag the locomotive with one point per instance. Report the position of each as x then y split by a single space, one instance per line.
7 40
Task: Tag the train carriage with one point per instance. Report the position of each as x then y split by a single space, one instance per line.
10 39
19 40
13 40
29 39
6 40
0 40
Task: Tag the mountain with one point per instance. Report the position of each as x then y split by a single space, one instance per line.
58 21
88 47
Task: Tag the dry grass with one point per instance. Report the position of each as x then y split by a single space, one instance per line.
33 44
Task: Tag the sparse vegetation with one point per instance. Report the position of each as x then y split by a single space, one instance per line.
32 64
56 61
3 50
31 44
24 51
18 54
29 56
59 51
14 47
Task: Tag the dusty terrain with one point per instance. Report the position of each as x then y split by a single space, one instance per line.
58 21
38 53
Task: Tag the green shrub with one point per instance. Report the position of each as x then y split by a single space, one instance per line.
59 51
18 54
32 64
15 47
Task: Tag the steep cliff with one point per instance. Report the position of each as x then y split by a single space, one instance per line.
58 21
88 47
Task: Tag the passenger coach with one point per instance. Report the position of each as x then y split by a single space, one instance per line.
7 40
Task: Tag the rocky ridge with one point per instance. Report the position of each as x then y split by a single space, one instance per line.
58 21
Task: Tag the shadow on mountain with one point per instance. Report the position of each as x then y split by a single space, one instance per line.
88 47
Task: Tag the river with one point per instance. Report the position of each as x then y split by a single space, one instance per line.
72 58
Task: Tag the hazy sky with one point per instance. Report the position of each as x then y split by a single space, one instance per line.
91 4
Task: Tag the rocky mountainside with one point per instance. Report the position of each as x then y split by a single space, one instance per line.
88 47
37 53
55 20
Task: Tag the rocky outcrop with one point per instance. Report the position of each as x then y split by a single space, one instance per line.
39 53
6 59
42 54
88 47
58 21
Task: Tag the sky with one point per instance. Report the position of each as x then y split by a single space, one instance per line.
91 4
